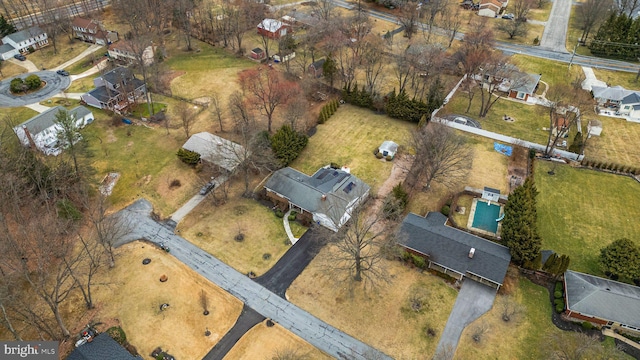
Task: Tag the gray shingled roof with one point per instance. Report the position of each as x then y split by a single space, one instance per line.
633 98
25 34
102 94
603 298
491 190
5 48
305 191
103 347
318 63
216 150
450 247
46 119
530 83
122 75
615 93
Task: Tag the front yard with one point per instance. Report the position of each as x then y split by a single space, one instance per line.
348 138
581 211
45 58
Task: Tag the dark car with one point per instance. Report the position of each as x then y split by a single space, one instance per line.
62 72
20 57
207 187
508 16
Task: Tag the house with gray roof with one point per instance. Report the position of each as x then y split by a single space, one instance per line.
115 90
525 88
602 301
101 347
630 105
327 197
41 131
21 41
218 151
454 252
609 97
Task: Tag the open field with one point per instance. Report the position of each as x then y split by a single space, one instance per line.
145 158
17 115
214 228
133 294
381 317
528 124
614 144
348 138
489 168
578 213
262 342
47 59
10 69
613 78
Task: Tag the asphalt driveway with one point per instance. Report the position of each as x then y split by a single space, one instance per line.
55 84
474 299
554 36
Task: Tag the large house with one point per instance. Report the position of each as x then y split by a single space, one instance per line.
124 51
272 28
490 8
609 97
41 131
602 301
115 90
91 30
327 197
218 151
454 252
22 41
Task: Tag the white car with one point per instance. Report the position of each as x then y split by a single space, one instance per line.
460 120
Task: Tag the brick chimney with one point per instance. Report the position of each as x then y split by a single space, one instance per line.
29 138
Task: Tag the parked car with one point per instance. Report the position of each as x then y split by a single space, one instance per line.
508 16
62 72
207 187
20 57
460 120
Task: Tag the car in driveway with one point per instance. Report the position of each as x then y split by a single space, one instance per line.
20 57
207 187
508 16
62 72
460 120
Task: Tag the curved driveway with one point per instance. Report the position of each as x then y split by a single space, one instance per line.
55 84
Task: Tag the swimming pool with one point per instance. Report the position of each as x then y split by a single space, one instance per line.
485 215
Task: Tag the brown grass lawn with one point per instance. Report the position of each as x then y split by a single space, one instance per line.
348 138
82 85
10 69
381 317
214 228
489 168
67 50
262 342
613 78
615 142
18 115
133 295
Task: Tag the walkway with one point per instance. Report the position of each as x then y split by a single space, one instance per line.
38 107
91 49
611 333
287 228
318 333
193 202
99 66
27 64
590 79
554 36
474 299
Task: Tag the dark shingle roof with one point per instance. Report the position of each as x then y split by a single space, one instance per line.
103 347
118 75
306 191
603 298
450 247
633 98
102 94
46 119
318 63
529 84
25 34
5 48
491 190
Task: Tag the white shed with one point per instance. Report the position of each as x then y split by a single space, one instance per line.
594 128
491 194
388 148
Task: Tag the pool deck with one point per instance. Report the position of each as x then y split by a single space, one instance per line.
472 214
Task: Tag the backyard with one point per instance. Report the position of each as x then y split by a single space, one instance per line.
215 230
581 211
616 143
348 138
382 316
131 294
17 115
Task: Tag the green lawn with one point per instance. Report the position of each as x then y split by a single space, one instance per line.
82 85
16 115
142 110
67 103
616 143
528 124
541 14
553 72
613 78
204 71
348 138
581 211
86 63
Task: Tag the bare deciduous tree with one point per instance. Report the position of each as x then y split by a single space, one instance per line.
479 330
569 345
187 117
494 73
590 14
216 108
564 113
452 21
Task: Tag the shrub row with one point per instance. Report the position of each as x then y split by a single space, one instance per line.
416 260
327 111
603 165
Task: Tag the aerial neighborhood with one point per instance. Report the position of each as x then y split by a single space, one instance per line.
324 179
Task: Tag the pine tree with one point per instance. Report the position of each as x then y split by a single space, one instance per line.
519 227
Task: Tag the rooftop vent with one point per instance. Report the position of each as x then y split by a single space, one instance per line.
471 252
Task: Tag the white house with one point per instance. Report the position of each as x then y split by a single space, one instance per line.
41 131
21 41
216 150
490 8
123 51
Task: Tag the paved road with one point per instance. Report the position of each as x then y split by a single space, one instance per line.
474 299
55 85
247 319
318 333
554 36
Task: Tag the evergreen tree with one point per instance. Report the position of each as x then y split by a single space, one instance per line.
519 227
329 69
550 263
287 144
6 27
621 258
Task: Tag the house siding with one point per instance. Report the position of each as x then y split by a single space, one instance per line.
91 101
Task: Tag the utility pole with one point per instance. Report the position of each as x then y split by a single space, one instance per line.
573 54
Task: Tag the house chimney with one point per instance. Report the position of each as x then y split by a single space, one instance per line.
29 138
471 252
323 197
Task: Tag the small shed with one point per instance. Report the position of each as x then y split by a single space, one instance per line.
283 56
594 128
388 148
257 54
315 69
491 194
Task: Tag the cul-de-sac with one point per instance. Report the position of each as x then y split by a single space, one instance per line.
320 179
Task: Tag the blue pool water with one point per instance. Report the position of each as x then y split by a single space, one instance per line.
485 216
